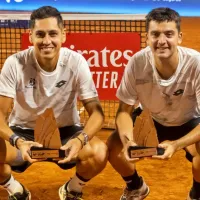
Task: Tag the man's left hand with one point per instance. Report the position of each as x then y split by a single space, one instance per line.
170 148
72 148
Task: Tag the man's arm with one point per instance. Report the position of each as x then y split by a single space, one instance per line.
94 124
191 138
5 105
124 122
5 131
172 146
96 117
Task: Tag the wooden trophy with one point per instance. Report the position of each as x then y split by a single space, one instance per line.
47 133
145 136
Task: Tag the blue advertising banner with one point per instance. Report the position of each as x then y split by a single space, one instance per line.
184 7
14 24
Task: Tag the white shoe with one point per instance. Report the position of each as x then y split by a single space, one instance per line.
138 194
26 195
65 195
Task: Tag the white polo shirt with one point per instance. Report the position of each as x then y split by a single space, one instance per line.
171 102
34 89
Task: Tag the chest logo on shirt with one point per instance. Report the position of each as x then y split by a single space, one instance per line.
60 84
178 92
31 83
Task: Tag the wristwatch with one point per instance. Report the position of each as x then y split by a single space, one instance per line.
13 139
86 138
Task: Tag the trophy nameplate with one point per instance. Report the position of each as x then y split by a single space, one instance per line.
47 133
40 153
139 151
145 136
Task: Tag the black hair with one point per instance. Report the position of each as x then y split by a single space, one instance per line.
161 15
45 12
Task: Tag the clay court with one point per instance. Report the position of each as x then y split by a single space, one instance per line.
168 180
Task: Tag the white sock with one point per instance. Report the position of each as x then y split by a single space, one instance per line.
75 184
13 186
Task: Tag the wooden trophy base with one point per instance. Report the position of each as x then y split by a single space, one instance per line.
46 153
145 136
142 151
47 133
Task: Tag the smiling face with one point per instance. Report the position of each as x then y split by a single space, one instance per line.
47 38
163 39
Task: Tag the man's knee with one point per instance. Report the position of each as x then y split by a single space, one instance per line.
96 151
5 172
6 151
9 154
3 150
198 147
114 143
193 152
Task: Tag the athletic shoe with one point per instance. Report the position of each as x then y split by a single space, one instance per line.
138 194
26 195
65 195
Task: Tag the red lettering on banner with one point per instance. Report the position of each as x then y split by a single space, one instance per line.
106 53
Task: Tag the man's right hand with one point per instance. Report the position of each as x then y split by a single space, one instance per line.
125 151
25 147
